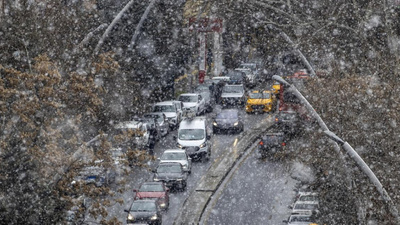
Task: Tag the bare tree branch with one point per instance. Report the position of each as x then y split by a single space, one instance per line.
89 36
109 28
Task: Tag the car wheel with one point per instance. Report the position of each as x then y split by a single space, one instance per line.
190 171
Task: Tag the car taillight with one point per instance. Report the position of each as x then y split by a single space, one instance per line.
276 119
261 143
283 144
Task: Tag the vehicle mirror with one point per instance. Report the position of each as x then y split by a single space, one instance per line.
285 221
290 207
189 159
126 210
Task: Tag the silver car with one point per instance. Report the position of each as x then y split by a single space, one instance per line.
177 155
162 121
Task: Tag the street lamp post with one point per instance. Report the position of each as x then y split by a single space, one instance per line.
346 146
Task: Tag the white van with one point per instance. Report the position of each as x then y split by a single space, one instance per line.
194 137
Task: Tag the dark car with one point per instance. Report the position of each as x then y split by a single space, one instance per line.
144 212
271 143
228 120
288 121
172 174
236 77
154 190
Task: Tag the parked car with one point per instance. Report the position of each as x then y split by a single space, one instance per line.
161 120
220 79
261 101
172 174
253 66
97 175
177 155
300 219
194 102
236 77
252 78
276 86
135 134
309 208
144 212
194 137
153 127
173 111
205 92
233 95
154 190
271 143
228 120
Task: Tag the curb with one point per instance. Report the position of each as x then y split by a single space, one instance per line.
196 203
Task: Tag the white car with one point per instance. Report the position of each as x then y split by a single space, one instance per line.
177 155
300 219
171 109
193 136
194 102
305 207
138 134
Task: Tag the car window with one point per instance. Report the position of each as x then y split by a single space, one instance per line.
308 198
175 168
174 156
151 188
186 98
305 206
164 108
143 207
256 95
191 134
232 89
267 95
300 219
227 115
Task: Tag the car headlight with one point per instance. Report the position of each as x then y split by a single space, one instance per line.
203 145
154 217
130 217
179 179
185 166
235 124
162 205
215 124
156 179
179 145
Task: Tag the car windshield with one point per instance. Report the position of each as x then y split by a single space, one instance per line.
227 115
151 188
191 134
173 156
202 88
300 219
188 98
175 168
157 117
266 95
143 207
250 66
308 198
233 89
305 206
235 75
255 95
164 108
